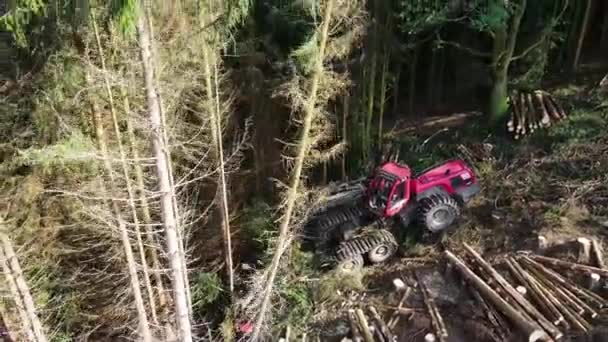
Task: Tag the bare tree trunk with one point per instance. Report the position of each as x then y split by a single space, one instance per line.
213 106
345 137
175 255
125 170
19 289
582 34
145 207
122 227
153 54
297 171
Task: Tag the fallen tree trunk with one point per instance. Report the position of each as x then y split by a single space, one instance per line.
535 292
436 318
568 265
517 297
532 330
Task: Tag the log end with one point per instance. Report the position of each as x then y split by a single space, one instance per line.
538 335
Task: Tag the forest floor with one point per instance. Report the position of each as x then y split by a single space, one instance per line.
552 184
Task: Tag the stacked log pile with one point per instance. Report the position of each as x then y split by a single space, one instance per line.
538 297
544 297
531 111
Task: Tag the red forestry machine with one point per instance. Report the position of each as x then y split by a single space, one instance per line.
353 223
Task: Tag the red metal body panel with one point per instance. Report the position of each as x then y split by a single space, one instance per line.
398 170
399 178
440 175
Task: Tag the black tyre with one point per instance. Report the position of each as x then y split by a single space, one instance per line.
438 212
355 262
383 251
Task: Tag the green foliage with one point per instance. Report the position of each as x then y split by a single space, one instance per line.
490 15
73 154
417 16
258 226
125 13
206 290
20 16
298 302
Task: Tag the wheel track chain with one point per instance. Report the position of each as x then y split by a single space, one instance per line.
434 200
362 244
327 223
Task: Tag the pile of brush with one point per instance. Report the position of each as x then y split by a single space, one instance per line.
531 111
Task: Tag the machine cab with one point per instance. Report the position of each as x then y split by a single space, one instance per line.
389 189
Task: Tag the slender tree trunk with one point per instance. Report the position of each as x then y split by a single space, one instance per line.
396 90
19 288
412 79
144 327
371 92
125 170
582 34
303 148
175 254
154 66
382 100
604 36
430 87
345 137
504 47
143 199
213 109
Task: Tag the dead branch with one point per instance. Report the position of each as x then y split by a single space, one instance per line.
436 318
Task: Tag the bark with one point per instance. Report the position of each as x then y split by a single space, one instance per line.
145 207
382 100
303 148
412 79
396 93
546 306
516 296
531 329
495 319
598 254
355 333
604 36
381 323
345 136
154 67
569 265
364 325
20 291
504 47
436 318
579 292
371 91
144 327
174 252
582 34
213 109
127 177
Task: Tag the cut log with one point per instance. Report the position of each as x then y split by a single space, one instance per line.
494 317
559 109
532 118
542 243
571 313
522 290
381 323
364 326
532 330
569 286
436 318
545 120
515 115
430 337
537 294
594 281
517 297
598 254
584 250
569 265
396 314
521 126
354 329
